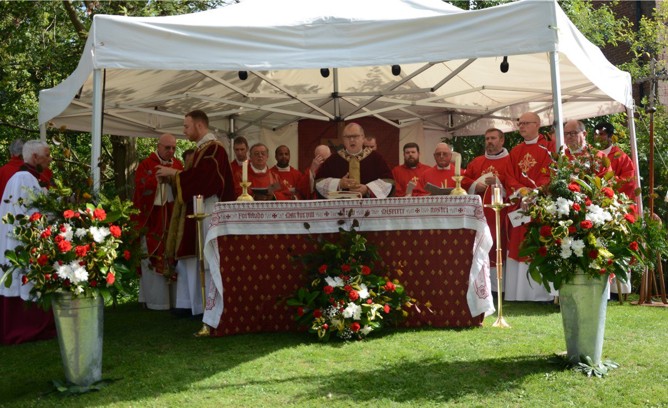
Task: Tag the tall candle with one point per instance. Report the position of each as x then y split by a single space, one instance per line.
244 171
458 163
496 197
198 204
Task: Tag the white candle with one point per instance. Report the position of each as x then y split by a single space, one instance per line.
244 171
198 204
496 198
458 163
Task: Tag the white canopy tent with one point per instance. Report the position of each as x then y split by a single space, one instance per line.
145 73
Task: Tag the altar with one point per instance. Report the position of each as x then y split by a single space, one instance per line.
441 244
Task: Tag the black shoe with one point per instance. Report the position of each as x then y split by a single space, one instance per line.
180 313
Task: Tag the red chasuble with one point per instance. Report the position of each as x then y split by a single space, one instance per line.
625 171
155 218
236 174
531 164
403 174
501 167
289 180
441 178
8 170
209 175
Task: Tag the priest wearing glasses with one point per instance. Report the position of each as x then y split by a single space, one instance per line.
354 168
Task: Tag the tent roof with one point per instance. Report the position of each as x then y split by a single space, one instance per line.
159 68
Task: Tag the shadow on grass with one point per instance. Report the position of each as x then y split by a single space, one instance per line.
529 308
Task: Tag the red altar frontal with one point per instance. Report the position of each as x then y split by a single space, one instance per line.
441 242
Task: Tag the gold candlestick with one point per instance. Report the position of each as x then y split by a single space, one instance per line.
244 193
205 331
500 321
458 190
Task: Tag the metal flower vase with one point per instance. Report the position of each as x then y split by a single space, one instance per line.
584 302
79 323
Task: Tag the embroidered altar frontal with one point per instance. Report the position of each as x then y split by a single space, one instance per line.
441 245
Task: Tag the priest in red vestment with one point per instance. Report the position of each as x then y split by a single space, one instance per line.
575 137
621 163
409 172
306 185
240 146
354 169
154 197
21 320
531 160
264 183
625 175
287 175
13 165
440 175
210 176
484 173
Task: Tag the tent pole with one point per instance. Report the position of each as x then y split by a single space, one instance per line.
556 97
96 134
630 112
42 132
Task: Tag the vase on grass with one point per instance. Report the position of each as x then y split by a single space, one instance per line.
584 302
79 323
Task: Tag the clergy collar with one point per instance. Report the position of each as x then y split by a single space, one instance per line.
503 153
443 168
163 161
258 171
360 153
607 150
578 151
206 138
533 141
283 169
240 163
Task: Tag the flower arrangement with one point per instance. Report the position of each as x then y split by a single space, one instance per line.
579 222
71 246
347 298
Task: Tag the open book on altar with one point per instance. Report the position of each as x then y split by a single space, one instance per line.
343 195
436 190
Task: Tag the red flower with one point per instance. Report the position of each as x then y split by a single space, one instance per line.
389 286
317 313
111 278
345 268
633 246
68 214
355 327
93 283
366 270
630 218
77 214
586 224
64 246
63 228
574 187
325 326
24 279
47 276
572 230
587 202
59 238
576 206
542 251
387 308
300 311
46 233
99 214
607 191
633 208
43 260
347 288
115 231
602 271
369 301
127 255
322 269
593 254
81 250
35 216
545 231
353 295
328 289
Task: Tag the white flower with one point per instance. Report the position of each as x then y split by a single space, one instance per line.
366 330
78 290
566 247
578 246
551 208
363 292
597 215
79 273
334 282
80 232
563 206
67 234
99 233
352 310
63 271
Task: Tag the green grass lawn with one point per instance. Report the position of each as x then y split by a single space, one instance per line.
157 362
